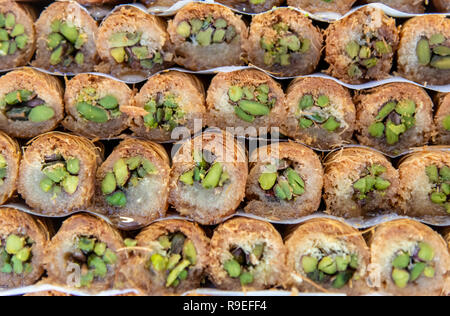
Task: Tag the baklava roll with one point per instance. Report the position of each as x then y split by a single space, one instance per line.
425 184
208 177
359 182
97 2
424 52
133 43
246 100
133 182
394 117
167 100
57 173
361 46
207 36
93 106
10 155
168 257
247 253
285 181
17 34
442 119
322 6
320 113
84 254
66 39
327 254
408 259
252 6
442 5
284 42
31 103
407 6
158 3
23 243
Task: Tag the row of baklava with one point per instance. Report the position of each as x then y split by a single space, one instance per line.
210 177
174 256
257 6
315 111
133 44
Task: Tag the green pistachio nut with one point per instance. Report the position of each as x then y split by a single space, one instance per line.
212 178
14 244
327 265
254 108
173 275
109 257
92 113
426 252
342 263
432 173
100 249
352 49
86 244
417 271
243 115
246 278
233 268
118 199
400 277
309 264
267 180
401 261
184 29
189 251
73 166
423 52
121 172
70 184
109 183
187 177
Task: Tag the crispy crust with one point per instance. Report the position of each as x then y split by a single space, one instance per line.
26 15
313 6
302 64
63 243
191 98
442 5
317 136
409 6
30 173
408 63
413 195
151 206
247 6
369 102
10 150
47 87
131 19
350 28
323 232
308 166
246 232
195 57
387 239
135 274
343 169
13 221
441 136
221 114
209 207
104 86
72 11
97 2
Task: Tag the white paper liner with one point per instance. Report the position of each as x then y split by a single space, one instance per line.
65 290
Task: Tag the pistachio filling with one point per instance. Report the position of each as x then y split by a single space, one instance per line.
95 109
440 183
94 258
316 111
256 2
129 48
243 263
3 169
16 255
279 49
370 183
281 182
209 175
127 173
60 173
330 268
12 35
250 102
175 258
365 53
393 119
446 123
206 31
65 43
25 105
163 111
409 266
434 52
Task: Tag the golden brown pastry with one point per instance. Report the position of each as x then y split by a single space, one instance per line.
314 6
247 254
285 181
407 6
408 259
359 182
327 254
252 6
31 103
10 156
442 119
